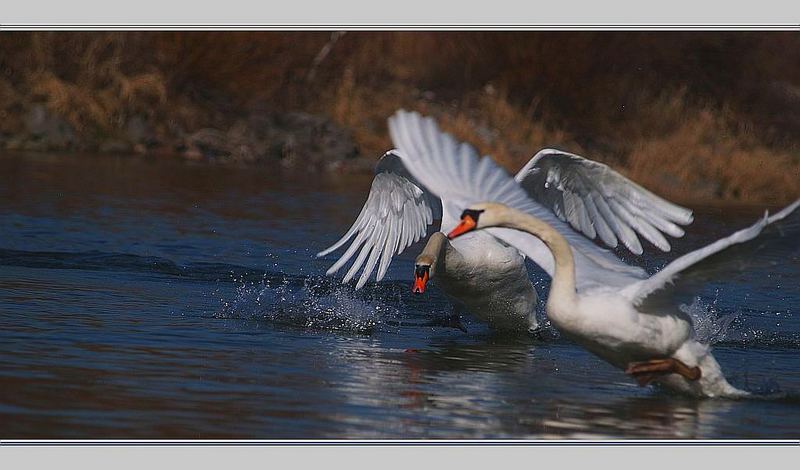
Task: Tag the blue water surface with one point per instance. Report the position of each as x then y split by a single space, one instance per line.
153 298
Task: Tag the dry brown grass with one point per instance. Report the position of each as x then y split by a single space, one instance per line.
486 119
690 115
91 105
83 79
703 159
689 153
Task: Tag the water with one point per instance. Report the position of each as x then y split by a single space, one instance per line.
161 299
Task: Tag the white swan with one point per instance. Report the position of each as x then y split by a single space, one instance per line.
625 316
640 327
481 272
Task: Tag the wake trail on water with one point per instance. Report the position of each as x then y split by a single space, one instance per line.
316 301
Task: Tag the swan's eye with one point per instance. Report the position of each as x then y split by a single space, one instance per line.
473 213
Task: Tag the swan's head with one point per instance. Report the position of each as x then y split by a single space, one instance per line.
478 216
422 274
428 260
424 269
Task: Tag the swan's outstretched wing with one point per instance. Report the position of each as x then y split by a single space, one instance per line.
598 201
769 241
397 214
437 160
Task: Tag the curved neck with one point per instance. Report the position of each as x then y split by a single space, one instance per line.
563 285
433 250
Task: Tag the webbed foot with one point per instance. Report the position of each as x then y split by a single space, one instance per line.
646 371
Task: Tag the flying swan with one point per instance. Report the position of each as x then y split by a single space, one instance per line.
482 272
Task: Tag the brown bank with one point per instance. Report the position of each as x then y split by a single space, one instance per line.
708 116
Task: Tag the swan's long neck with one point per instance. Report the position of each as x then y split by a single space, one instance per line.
562 289
434 250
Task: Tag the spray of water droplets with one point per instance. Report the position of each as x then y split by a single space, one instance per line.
710 326
310 302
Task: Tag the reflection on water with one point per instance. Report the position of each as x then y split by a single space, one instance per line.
147 298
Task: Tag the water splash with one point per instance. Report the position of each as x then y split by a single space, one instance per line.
737 329
710 326
313 303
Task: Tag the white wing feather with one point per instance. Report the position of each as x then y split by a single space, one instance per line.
769 241
596 200
396 215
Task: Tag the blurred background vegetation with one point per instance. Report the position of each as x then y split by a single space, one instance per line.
691 115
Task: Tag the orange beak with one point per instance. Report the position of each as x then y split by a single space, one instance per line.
419 283
467 225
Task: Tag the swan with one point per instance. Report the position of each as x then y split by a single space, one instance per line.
640 328
616 311
480 272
